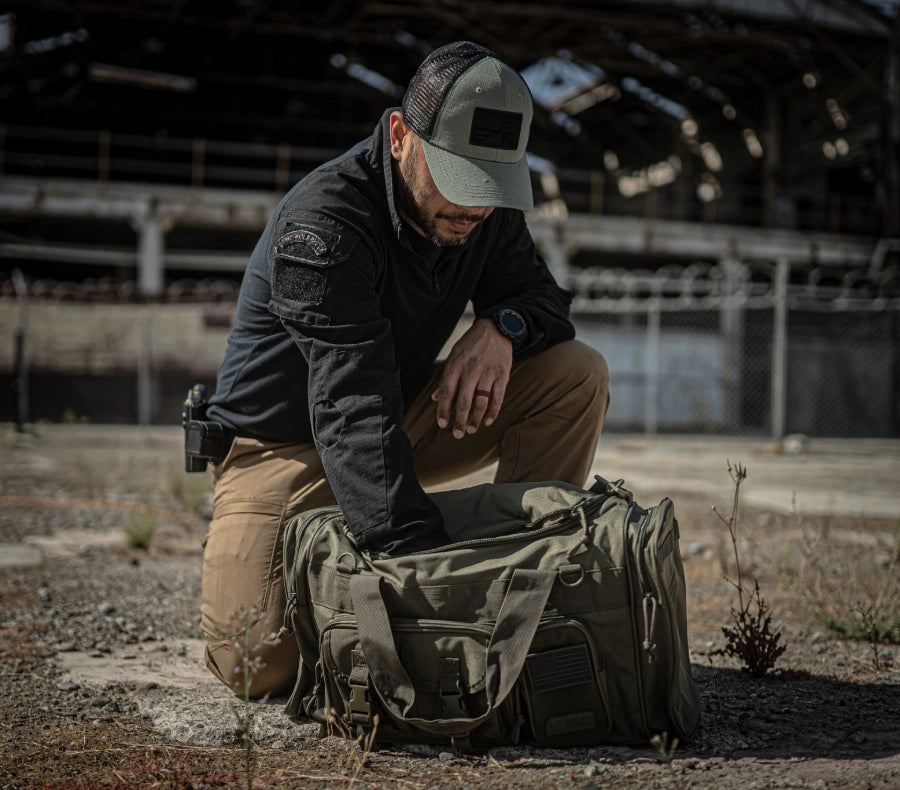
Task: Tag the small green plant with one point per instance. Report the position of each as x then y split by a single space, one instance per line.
189 489
250 666
664 748
140 527
750 637
862 601
363 743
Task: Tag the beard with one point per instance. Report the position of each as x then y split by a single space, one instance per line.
411 202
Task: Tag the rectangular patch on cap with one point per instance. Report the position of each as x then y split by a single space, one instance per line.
495 128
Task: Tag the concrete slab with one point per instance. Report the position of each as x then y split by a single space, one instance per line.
17 555
174 690
854 477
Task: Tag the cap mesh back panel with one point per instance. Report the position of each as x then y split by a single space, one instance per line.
433 80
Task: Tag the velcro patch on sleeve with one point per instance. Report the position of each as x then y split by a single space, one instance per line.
298 282
305 247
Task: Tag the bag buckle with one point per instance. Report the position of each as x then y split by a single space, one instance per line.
359 706
604 486
451 693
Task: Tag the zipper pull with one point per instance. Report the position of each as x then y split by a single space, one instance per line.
586 534
289 611
649 605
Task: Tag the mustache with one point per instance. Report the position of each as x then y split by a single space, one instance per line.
460 217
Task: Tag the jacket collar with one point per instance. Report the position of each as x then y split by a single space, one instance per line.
407 236
382 145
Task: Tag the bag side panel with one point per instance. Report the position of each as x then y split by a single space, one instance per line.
302 534
671 696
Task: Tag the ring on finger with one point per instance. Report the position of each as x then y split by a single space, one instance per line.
483 393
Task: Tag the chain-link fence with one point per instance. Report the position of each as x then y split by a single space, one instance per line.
741 348
760 348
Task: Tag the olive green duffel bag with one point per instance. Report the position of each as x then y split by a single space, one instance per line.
557 616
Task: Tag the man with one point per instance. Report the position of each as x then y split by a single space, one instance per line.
330 391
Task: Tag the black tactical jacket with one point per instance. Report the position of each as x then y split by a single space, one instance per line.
342 313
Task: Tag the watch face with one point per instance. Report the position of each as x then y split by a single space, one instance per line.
512 323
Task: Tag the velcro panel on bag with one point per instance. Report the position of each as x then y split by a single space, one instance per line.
556 669
565 688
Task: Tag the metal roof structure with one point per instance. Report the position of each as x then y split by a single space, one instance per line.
758 110
699 165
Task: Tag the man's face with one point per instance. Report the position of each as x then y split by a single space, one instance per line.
424 207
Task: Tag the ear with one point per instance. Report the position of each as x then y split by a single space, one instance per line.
399 129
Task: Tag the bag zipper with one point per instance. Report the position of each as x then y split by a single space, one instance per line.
651 598
635 568
557 520
292 594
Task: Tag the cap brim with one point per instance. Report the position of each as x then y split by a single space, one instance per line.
478 182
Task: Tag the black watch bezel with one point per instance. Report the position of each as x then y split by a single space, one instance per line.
511 325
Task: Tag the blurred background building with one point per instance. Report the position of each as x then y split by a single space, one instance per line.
717 182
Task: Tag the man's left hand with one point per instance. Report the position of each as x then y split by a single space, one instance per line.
474 379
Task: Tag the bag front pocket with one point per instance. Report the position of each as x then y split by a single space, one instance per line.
564 685
445 661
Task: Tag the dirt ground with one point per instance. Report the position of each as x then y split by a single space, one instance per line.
101 684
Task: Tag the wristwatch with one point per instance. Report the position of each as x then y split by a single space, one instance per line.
510 324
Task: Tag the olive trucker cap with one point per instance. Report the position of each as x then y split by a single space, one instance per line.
473 112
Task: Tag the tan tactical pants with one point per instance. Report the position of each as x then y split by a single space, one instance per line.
548 428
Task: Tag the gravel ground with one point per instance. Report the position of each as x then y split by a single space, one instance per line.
101 684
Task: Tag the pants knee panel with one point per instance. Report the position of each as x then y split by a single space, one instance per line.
583 367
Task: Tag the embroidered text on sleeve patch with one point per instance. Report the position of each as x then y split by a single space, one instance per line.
303 244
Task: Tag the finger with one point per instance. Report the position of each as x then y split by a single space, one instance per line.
464 402
481 400
444 395
498 391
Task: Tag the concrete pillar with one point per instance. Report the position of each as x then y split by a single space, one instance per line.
556 254
151 229
891 174
780 350
145 399
731 329
652 368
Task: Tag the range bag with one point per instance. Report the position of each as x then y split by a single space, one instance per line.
556 616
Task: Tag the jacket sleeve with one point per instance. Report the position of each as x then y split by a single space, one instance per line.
323 290
515 276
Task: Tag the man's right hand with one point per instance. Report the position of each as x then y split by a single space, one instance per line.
474 379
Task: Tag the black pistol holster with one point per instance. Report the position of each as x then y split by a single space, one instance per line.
204 441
